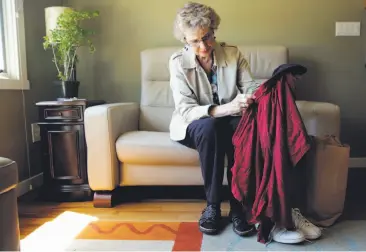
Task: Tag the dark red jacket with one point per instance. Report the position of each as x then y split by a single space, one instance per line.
269 141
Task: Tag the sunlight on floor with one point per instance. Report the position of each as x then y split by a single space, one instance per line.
57 234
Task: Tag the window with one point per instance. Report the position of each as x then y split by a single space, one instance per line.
2 41
13 71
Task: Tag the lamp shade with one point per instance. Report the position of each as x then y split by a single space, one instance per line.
51 15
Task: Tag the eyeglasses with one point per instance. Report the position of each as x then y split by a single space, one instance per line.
206 38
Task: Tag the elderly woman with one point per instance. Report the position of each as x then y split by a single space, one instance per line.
212 85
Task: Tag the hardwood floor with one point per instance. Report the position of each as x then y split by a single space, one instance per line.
136 204
34 213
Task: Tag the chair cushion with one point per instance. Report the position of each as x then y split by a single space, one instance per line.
8 175
154 148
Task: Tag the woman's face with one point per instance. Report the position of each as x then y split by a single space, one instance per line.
201 40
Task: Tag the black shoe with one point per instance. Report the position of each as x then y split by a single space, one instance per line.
240 226
210 220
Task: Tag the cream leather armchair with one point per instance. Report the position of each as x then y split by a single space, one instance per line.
128 144
9 220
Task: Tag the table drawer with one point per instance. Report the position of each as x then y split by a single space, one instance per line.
62 113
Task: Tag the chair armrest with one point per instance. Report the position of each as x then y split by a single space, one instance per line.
8 175
9 219
103 125
320 118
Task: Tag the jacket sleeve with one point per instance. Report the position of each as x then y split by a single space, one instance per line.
246 82
185 100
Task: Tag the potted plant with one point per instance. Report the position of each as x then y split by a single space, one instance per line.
65 40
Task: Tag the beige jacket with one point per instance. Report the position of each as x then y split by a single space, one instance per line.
191 89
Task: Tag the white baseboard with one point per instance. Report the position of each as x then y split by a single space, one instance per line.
359 162
29 184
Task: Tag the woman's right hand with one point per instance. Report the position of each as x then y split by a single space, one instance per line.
235 107
240 103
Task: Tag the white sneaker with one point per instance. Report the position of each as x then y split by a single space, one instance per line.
282 235
310 231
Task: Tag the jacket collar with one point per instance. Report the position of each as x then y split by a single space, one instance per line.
189 57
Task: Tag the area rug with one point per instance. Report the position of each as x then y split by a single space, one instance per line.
170 236
102 235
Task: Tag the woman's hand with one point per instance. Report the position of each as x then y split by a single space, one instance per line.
240 103
235 107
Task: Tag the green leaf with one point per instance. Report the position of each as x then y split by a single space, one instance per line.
67 37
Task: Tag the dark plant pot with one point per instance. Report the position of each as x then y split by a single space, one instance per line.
69 89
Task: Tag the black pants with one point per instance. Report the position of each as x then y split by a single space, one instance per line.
212 138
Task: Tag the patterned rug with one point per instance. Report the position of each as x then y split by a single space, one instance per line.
99 235
171 236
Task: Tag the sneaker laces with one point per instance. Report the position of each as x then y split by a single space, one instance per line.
301 220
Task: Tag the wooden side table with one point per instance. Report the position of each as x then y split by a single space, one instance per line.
64 152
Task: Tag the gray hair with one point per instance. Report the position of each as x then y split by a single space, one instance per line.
195 15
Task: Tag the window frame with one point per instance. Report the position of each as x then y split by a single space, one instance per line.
15 54
2 39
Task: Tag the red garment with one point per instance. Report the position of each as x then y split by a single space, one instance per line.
269 140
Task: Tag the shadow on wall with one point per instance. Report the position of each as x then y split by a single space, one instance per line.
356 130
308 88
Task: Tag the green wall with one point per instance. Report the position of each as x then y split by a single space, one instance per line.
17 109
336 64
